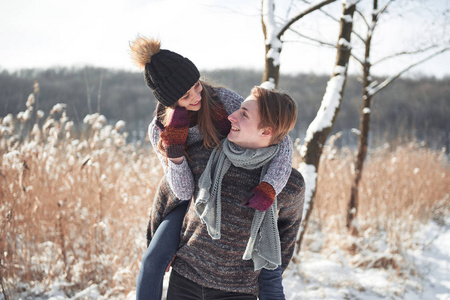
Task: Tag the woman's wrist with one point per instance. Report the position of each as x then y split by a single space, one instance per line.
177 160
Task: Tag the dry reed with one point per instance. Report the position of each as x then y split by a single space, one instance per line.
73 210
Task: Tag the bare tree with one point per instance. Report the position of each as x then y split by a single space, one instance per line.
322 124
273 33
372 87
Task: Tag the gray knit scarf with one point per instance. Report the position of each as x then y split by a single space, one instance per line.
263 246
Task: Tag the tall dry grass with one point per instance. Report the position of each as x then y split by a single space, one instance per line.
404 182
74 206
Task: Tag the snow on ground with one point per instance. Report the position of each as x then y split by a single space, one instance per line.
319 277
330 276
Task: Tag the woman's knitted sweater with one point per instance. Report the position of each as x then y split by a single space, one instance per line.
218 263
180 177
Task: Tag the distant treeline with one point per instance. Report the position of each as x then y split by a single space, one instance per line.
409 108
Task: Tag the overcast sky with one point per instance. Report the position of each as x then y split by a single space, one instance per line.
212 33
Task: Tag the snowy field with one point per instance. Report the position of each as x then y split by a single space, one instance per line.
331 277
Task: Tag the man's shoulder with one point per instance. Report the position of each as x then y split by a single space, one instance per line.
295 185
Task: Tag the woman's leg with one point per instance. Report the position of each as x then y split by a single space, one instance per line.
159 254
270 285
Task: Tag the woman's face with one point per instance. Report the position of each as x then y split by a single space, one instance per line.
192 99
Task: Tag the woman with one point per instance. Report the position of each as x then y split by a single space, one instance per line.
189 111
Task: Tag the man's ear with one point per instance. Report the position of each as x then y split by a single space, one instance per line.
267 132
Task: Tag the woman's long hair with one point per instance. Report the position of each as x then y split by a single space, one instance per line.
206 114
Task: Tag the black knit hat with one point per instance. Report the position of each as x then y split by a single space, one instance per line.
170 76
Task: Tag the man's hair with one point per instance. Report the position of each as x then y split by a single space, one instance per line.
277 111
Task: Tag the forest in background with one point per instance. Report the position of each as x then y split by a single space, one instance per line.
410 108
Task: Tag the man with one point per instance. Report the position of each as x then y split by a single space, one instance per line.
225 243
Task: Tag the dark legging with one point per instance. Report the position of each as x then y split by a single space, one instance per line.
159 254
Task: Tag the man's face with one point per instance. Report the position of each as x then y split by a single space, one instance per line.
244 125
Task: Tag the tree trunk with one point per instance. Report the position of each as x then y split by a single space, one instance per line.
271 71
273 34
317 133
363 140
363 143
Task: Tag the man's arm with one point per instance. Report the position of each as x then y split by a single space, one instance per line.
290 203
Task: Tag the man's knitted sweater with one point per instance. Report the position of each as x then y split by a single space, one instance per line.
218 263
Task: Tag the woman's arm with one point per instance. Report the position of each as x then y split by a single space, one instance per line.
178 175
231 101
280 167
275 179
177 171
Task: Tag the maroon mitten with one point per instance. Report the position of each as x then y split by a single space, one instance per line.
175 134
261 198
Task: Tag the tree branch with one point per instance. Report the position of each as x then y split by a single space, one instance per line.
389 80
405 53
362 17
360 61
377 15
322 43
308 10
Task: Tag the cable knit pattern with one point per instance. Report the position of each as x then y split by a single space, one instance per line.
180 176
218 263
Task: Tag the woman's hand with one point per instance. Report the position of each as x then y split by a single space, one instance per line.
175 134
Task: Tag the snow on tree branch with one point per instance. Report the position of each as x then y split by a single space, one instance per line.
272 31
347 18
330 103
269 84
309 173
349 3
323 119
343 42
